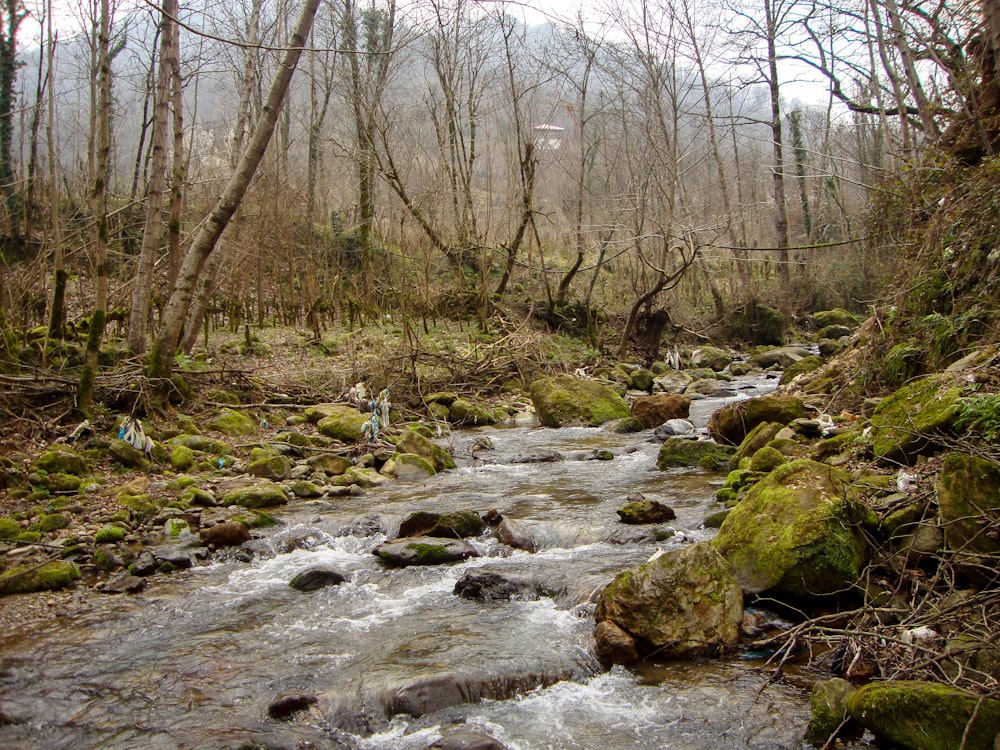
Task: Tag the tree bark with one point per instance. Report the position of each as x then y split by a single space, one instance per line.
161 358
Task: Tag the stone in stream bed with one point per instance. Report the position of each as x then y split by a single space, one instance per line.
490 586
286 704
316 577
424 550
467 740
639 510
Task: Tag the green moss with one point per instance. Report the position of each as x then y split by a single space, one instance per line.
9 528
104 560
428 554
109 535
29 537
908 422
969 503
803 366
182 458
142 504
50 523
48 577
564 400
261 495
766 459
234 423
677 453
926 715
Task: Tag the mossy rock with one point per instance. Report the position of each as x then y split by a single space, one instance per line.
439 411
756 439
835 317
828 704
50 522
463 412
446 398
678 452
644 512
344 423
142 503
182 458
767 459
802 367
365 477
926 715
330 464
199 496
263 495
305 488
711 357
109 535
733 422
909 422
272 467
232 423
9 528
28 537
833 446
458 524
128 456
715 520
408 466
50 576
901 363
969 504
203 444
60 460
411 441
624 426
641 380
563 400
795 533
60 482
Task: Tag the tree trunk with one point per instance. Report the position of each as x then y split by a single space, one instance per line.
142 286
57 314
161 359
780 209
101 122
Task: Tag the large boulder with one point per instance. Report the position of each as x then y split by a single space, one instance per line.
232 423
60 459
969 505
678 452
733 422
564 400
265 494
639 510
794 535
652 411
782 356
424 550
926 715
835 317
413 442
756 439
908 422
711 357
457 524
683 604
485 585
344 423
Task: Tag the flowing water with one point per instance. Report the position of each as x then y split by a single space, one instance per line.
393 656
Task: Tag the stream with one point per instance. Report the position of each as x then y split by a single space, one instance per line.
394 657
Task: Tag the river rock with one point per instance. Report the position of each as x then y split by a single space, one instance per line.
968 494
286 704
926 715
341 422
538 456
424 550
613 645
271 467
795 534
711 357
685 603
532 536
144 565
679 452
330 464
782 356
487 585
639 510
316 577
756 439
228 534
563 400
124 583
674 428
265 494
407 467
734 421
673 381
802 367
828 704
466 740
412 441
652 411
906 423
232 423
59 459
50 576
463 412
838 316
457 524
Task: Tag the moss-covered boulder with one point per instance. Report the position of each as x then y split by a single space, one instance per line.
126 455
61 483
756 439
711 357
408 467
271 467
926 715
464 412
457 524
733 422
424 550
969 504
643 511
363 476
344 423
182 458
766 459
679 452
60 460
50 576
794 535
828 704
49 522
652 411
914 417
329 463
835 317
672 381
411 441
109 535
564 400
685 603
233 423
202 444
641 380
9 528
802 367
266 494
